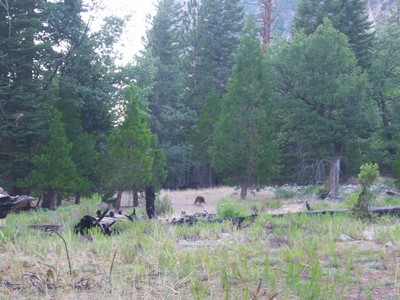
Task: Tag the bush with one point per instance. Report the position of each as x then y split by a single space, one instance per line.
229 208
164 206
322 191
284 194
366 177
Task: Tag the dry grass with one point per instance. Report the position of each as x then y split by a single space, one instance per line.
183 200
296 257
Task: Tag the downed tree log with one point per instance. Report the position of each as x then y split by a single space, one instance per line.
380 211
14 204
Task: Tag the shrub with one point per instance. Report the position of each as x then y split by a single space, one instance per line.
284 194
366 177
229 208
164 206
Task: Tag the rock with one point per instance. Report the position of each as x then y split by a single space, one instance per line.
389 245
225 234
345 238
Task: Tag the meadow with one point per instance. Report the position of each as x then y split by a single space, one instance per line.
293 257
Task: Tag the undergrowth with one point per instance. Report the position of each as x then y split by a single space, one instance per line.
293 257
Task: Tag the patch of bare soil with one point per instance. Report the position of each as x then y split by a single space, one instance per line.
183 200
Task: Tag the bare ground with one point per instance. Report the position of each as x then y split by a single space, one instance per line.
183 200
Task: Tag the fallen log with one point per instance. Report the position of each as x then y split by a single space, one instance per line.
380 211
14 204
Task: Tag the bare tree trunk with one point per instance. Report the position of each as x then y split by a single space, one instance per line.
210 177
49 200
244 186
135 199
266 24
118 201
78 198
59 199
334 174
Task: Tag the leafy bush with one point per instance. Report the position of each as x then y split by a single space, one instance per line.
229 208
164 206
284 194
352 199
366 177
322 191
273 203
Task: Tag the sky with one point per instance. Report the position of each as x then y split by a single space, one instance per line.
131 41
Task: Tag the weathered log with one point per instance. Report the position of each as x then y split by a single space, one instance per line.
14 204
380 211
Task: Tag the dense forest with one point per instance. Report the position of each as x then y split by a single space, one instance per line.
218 95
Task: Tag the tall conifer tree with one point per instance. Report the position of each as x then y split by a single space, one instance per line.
244 147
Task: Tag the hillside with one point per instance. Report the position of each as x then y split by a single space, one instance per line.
286 9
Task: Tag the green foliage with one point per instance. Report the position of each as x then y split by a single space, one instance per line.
129 162
311 13
320 93
53 168
170 118
384 75
229 208
368 174
164 206
243 149
283 193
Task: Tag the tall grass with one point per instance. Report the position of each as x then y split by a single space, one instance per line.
285 258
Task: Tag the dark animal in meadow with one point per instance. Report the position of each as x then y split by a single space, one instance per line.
243 222
199 200
150 201
88 222
308 206
391 193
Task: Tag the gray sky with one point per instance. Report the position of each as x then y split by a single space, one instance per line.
131 40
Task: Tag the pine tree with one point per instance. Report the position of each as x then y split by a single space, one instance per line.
384 75
348 17
244 147
203 135
170 117
21 118
129 162
53 172
321 94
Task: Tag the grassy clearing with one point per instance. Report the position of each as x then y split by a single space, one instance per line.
295 257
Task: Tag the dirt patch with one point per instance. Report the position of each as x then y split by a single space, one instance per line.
183 200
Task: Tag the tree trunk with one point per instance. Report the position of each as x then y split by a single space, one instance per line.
210 177
267 24
334 174
135 199
118 201
78 197
244 186
59 199
49 200
150 201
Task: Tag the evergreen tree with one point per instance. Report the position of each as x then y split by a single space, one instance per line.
212 41
170 118
203 135
384 75
244 147
129 162
54 172
321 94
211 32
21 111
349 17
